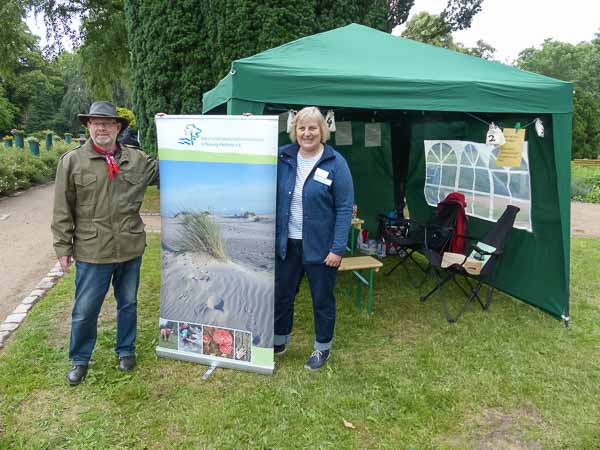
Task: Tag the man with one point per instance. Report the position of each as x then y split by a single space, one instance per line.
96 223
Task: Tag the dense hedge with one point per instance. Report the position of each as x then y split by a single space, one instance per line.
179 50
19 169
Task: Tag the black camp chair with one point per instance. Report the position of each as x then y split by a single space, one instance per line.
407 236
488 251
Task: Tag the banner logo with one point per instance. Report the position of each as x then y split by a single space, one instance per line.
192 133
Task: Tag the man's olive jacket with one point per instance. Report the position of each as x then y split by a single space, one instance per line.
96 219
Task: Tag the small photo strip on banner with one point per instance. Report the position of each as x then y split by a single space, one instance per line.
190 337
168 334
227 343
343 133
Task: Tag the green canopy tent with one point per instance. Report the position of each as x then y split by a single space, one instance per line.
418 93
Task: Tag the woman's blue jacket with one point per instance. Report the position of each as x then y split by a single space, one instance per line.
327 209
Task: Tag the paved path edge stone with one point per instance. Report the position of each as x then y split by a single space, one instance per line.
18 316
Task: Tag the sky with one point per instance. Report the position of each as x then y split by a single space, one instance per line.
220 188
513 25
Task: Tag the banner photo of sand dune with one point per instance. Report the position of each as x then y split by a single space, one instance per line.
217 200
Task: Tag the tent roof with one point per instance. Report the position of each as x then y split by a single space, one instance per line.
357 66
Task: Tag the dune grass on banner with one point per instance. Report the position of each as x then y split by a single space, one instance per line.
200 233
511 377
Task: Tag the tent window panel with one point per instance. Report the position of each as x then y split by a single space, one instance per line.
431 195
523 167
444 192
482 180
519 186
466 178
500 180
481 206
523 219
493 156
470 198
435 155
500 204
470 168
449 176
449 156
434 174
470 155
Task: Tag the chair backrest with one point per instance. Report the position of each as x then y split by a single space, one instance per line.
442 229
498 235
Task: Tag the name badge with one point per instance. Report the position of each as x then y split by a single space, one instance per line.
321 173
325 181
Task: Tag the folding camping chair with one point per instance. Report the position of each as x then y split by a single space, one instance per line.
478 265
407 236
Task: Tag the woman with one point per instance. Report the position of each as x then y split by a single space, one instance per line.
314 211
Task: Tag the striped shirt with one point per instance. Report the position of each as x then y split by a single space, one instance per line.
303 169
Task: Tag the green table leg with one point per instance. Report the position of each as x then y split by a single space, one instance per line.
359 304
370 305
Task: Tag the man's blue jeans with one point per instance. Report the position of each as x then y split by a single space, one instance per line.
91 285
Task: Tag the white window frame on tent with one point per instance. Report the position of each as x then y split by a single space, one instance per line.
470 168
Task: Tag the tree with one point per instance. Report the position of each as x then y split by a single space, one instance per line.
76 98
481 50
7 113
579 64
432 29
181 50
15 37
105 53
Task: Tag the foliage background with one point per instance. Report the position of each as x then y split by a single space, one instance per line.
157 56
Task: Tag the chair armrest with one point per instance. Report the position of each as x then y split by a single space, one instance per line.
483 252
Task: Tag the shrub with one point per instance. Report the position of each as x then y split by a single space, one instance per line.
585 184
19 169
127 114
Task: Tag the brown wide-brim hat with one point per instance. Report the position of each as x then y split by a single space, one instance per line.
103 110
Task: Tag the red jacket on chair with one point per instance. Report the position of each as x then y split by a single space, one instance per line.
457 243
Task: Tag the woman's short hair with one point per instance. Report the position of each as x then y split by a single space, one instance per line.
310 112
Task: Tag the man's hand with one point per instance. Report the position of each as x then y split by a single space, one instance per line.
333 260
65 263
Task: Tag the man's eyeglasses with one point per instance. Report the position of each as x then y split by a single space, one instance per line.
103 124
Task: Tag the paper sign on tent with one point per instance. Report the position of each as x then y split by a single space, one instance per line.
512 151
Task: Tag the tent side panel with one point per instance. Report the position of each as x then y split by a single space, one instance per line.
533 268
236 107
219 95
562 126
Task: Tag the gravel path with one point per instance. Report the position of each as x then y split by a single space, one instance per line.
26 241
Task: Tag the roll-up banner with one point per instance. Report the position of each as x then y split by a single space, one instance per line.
217 205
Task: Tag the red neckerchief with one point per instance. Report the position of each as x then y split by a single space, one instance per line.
113 167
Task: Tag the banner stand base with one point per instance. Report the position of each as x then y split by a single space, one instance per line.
209 372
213 362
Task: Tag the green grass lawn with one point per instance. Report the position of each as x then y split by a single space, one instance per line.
151 202
511 377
